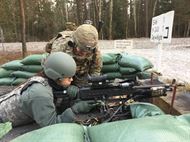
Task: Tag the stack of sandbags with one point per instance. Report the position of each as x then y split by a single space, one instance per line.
4 76
133 65
6 72
31 66
111 66
18 71
157 128
125 66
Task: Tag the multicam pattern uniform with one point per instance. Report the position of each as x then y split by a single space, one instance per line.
10 105
90 65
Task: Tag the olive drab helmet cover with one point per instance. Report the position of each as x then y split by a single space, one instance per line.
86 37
59 65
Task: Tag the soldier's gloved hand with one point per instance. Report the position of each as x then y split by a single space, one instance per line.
83 106
72 91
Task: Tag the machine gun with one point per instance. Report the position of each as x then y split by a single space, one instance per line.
100 88
113 97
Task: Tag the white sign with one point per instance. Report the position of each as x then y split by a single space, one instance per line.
161 30
123 44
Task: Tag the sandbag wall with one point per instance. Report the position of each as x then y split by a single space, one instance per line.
125 66
158 128
18 71
117 65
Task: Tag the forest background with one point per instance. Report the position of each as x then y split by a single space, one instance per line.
122 18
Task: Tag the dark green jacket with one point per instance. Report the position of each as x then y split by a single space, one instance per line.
37 101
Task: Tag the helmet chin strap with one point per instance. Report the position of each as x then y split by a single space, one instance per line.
54 85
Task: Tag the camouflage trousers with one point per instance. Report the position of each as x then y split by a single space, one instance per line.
10 110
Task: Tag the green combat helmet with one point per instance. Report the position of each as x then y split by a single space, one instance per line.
86 37
59 65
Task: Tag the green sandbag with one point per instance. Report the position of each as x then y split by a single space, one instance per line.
110 58
5 73
113 75
137 62
184 117
110 68
127 70
141 109
22 74
32 68
34 59
64 132
140 75
6 81
18 81
12 65
5 128
160 128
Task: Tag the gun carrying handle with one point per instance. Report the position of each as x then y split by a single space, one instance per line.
97 78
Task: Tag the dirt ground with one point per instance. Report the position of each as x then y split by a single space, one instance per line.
175 63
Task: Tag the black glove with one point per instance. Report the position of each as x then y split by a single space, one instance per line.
83 106
72 91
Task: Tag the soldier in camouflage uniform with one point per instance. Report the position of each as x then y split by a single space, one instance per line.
70 26
88 22
82 46
34 100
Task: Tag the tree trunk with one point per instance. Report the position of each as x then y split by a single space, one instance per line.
146 18
131 19
154 9
111 18
15 23
135 17
140 20
80 11
100 18
2 38
99 10
66 12
127 19
23 27
87 8
95 13
188 29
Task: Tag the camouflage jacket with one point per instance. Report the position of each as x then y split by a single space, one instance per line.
89 66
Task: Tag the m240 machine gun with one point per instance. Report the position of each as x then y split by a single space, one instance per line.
114 97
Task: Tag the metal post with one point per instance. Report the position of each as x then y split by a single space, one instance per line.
173 95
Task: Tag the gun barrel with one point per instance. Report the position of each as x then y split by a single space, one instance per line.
151 86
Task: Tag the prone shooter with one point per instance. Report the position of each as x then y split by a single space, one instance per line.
113 98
